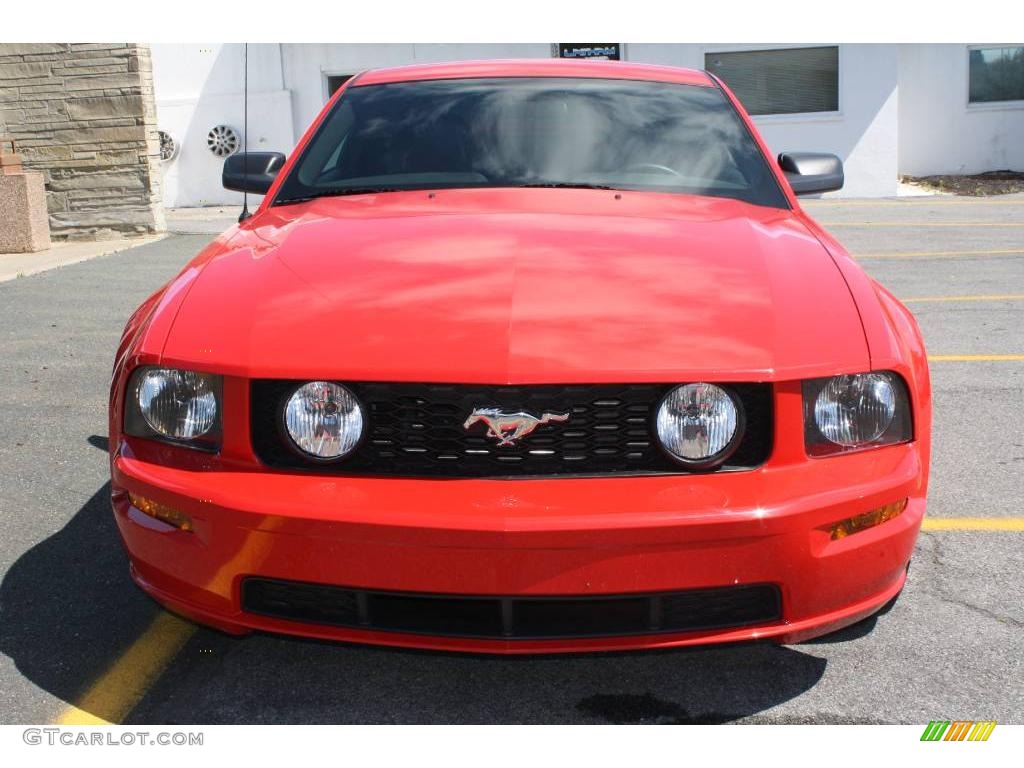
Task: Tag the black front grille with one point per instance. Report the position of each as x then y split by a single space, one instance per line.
416 430
513 617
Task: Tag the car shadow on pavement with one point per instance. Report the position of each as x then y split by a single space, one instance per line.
69 609
99 441
269 679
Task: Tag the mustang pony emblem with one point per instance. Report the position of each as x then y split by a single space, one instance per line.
509 427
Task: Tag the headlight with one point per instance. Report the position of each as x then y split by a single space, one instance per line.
855 411
324 420
173 404
699 424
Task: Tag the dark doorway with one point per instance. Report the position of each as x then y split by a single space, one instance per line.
334 82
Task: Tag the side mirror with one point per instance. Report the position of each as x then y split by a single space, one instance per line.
251 171
810 173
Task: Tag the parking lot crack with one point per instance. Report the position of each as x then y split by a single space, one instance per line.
934 548
978 609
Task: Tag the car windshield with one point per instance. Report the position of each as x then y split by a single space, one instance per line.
533 132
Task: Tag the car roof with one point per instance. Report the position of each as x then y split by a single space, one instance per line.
620 70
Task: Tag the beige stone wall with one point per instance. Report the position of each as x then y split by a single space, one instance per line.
84 115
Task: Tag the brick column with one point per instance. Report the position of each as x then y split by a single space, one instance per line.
84 115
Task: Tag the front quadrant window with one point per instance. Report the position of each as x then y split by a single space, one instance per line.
996 74
782 81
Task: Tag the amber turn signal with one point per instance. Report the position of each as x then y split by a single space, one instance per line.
161 512
859 523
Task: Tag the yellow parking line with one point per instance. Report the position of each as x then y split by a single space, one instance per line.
976 297
973 524
974 358
120 688
940 254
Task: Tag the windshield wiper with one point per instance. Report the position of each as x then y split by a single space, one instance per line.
339 192
563 185
342 191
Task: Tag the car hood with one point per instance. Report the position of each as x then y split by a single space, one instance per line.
526 286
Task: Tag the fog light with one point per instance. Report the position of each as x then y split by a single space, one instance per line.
699 424
161 512
859 523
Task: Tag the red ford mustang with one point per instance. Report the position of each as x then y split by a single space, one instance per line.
524 357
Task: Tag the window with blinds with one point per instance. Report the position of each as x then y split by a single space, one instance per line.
996 74
783 81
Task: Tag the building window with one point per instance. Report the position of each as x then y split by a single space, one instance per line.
780 82
996 74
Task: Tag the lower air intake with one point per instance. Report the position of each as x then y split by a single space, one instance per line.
513 617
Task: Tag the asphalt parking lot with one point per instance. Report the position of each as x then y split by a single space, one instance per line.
79 643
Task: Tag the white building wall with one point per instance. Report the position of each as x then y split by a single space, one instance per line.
902 109
940 132
199 86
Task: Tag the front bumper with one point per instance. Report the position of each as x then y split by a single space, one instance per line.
574 537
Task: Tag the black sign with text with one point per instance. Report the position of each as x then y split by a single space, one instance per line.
611 51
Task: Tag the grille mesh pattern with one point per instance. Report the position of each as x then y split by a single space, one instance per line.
513 617
416 430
